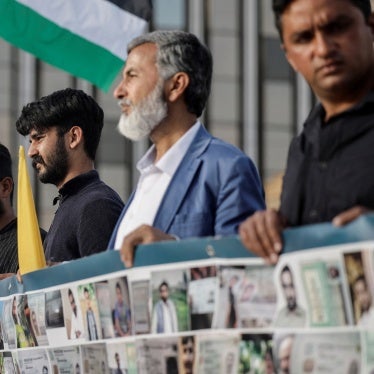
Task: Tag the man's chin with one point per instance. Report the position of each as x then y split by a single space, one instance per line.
129 132
132 135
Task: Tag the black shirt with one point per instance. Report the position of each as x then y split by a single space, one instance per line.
9 247
330 165
83 223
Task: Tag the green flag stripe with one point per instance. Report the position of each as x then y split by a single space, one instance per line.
28 30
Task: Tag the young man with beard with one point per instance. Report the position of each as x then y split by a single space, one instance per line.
329 174
292 315
76 325
164 317
191 184
64 129
8 220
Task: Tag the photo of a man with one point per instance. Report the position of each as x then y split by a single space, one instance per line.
164 318
186 354
90 311
284 351
291 315
76 330
364 301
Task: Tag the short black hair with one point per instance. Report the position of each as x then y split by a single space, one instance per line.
6 167
279 7
5 162
64 109
164 283
186 339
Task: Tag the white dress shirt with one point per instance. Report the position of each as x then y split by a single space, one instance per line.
153 183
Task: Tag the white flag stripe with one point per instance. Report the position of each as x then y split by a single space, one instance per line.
107 26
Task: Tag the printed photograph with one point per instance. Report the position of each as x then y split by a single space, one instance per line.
73 314
65 359
170 311
187 354
120 307
256 354
24 335
291 312
256 297
360 279
103 296
36 317
90 311
117 358
157 355
218 353
54 315
226 312
323 284
94 358
335 352
140 306
202 291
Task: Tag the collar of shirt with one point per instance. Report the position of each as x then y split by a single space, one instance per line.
170 161
76 184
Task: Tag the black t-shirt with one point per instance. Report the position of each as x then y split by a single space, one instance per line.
9 247
330 166
87 213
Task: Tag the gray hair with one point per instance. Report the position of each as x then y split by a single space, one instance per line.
180 51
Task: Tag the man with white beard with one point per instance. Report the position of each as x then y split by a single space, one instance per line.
191 184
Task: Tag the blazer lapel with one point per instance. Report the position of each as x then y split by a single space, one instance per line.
181 181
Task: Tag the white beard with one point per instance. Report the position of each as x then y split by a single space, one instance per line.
145 116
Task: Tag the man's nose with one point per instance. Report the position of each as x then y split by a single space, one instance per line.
324 44
119 91
32 151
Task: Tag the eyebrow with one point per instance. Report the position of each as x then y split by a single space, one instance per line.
35 133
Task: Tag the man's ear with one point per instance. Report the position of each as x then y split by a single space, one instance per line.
288 57
6 187
75 136
176 85
371 24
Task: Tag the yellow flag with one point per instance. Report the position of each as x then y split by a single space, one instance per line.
30 249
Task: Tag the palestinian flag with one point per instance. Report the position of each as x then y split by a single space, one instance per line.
86 38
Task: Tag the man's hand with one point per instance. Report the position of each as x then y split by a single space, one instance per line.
349 215
6 275
261 234
144 234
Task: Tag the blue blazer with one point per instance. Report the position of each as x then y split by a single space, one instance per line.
214 189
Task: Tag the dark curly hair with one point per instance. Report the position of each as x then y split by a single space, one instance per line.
64 109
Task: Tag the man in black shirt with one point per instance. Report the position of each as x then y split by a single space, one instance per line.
8 220
64 129
329 174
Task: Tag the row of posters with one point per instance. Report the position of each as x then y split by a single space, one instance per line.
225 352
325 294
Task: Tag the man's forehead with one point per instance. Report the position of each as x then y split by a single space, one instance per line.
300 12
146 51
38 131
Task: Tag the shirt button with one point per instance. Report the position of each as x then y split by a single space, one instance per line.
313 213
323 165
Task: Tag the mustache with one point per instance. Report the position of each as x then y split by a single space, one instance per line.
125 102
37 160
